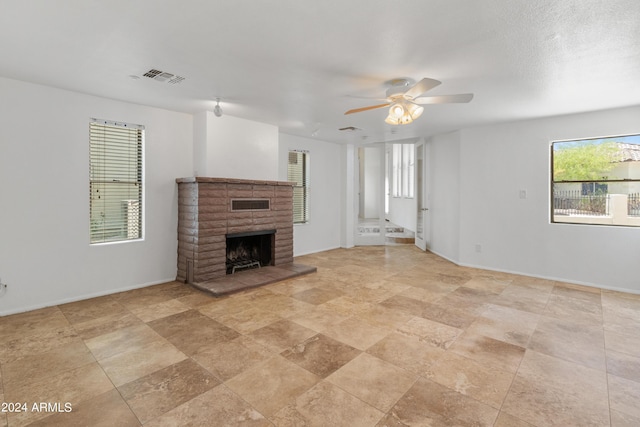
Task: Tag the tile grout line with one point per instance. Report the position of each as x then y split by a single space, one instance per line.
105 373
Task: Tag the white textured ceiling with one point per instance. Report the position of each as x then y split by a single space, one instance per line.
300 64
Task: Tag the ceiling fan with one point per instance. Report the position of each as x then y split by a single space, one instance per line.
406 104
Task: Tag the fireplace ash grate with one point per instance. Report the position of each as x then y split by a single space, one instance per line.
245 266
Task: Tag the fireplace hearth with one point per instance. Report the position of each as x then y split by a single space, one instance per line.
234 234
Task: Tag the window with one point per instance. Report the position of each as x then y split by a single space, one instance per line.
403 170
298 172
115 181
596 181
397 170
396 158
408 170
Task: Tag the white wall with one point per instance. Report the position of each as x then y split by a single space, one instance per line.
200 143
444 201
239 148
372 188
45 255
348 193
323 231
515 234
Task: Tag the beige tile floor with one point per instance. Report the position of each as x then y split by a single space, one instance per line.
386 336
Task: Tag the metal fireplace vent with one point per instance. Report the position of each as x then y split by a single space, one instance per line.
250 205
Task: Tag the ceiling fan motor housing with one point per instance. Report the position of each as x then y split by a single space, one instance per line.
398 88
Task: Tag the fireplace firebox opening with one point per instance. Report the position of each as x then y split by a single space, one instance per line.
249 250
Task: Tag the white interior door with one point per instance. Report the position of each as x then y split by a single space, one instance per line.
423 222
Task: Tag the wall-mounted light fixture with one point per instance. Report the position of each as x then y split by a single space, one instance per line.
217 110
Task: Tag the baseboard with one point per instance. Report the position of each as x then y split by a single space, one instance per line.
537 276
444 256
82 297
555 279
315 252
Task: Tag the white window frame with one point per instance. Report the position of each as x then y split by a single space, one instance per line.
116 182
299 174
403 170
603 197
397 170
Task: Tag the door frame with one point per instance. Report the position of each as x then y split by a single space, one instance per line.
423 193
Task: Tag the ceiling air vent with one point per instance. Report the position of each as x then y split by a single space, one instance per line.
349 129
163 77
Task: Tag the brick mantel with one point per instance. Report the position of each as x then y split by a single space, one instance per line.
205 218
206 179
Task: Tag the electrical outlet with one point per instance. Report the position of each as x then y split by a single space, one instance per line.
3 287
478 248
523 194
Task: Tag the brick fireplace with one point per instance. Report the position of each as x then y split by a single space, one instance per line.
213 210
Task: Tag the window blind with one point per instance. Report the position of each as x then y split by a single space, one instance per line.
298 172
115 181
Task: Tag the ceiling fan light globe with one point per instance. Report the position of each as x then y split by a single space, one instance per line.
415 110
392 120
397 110
405 119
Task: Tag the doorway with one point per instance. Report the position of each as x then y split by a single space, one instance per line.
389 197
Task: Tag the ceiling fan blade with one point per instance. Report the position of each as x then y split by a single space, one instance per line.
444 99
371 98
421 87
372 107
